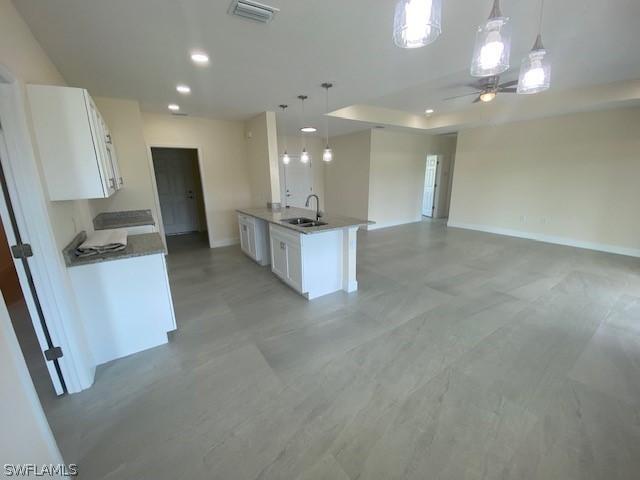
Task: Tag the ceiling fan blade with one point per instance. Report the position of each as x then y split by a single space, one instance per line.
508 90
476 100
459 96
473 85
508 84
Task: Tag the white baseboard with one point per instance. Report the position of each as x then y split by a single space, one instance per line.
377 226
570 242
226 242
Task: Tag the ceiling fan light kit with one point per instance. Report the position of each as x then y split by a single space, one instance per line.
493 45
417 22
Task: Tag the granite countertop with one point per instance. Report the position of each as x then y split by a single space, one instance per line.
131 218
137 246
334 222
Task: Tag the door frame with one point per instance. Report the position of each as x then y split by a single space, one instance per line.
51 280
203 182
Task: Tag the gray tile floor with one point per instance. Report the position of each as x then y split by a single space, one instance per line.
463 355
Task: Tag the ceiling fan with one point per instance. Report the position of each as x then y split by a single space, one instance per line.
488 87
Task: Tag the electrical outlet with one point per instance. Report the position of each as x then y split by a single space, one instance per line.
543 221
522 219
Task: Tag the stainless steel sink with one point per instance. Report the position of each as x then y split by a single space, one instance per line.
297 221
303 222
312 224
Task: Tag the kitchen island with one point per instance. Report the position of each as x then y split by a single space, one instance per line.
313 256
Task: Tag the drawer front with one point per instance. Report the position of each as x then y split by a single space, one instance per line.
246 219
287 234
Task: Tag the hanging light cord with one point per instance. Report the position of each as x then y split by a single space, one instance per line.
304 135
540 21
284 127
327 113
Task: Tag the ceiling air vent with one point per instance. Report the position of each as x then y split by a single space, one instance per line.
253 10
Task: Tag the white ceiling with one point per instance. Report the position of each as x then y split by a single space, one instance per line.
139 49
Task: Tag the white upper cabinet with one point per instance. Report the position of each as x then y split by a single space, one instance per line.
76 147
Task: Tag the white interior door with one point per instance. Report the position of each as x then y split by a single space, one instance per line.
34 311
174 178
298 182
430 186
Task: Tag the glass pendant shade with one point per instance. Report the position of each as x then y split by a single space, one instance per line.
304 158
285 158
535 71
417 22
493 45
327 155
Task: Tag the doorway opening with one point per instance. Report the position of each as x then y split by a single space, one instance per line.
180 191
296 181
23 305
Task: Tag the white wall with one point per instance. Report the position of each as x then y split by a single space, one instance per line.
262 156
26 436
124 119
346 178
379 174
396 178
225 172
572 177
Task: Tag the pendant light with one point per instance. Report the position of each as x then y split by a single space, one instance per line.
493 45
535 70
327 155
304 157
285 157
417 22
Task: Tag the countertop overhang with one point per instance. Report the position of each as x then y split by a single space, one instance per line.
334 222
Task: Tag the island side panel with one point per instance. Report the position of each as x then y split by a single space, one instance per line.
124 304
349 251
322 263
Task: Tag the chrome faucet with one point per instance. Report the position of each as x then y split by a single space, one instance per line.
319 214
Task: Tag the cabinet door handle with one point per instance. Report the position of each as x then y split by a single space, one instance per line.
282 246
121 182
244 227
112 183
108 138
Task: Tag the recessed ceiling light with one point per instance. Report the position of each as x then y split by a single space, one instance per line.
428 111
174 107
183 89
308 129
199 57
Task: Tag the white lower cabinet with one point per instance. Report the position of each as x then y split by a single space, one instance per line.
254 238
286 257
125 305
310 264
